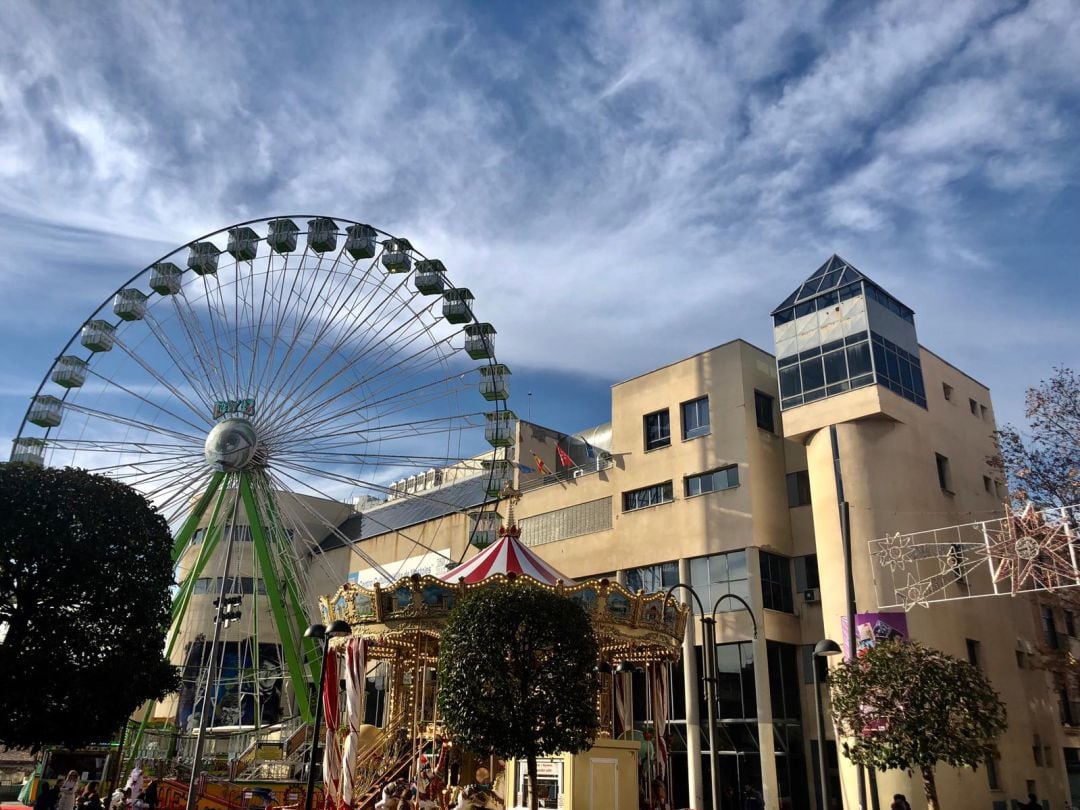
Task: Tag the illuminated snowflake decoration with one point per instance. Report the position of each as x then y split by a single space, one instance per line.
895 551
916 593
1031 552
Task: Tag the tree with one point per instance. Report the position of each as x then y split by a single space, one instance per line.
85 573
516 674
904 705
1044 467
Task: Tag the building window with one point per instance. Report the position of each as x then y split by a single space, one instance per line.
988 485
1068 718
1037 751
898 370
720 574
821 371
763 407
798 489
810 661
653 578
695 418
974 406
647 496
657 430
1050 632
973 652
1070 623
776 582
806 573
1021 659
947 390
943 477
992 773
724 478
985 411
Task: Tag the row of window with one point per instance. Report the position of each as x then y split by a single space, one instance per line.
825 370
695 420
720 574
945 481
829 299
699 484
241 534
898 370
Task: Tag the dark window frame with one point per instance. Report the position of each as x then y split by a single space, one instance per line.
944 474
764 411
776 585
798 488
712 477
662 436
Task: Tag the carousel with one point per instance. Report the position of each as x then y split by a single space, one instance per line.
384 736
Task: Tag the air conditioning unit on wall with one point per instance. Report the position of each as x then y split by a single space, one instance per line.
811 595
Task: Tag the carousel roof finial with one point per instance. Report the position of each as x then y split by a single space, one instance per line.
512 496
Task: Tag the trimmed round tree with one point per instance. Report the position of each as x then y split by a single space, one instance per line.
85 573
516 674
904 705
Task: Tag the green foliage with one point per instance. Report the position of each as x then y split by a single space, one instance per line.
1043 465
516 673
904 705
85 573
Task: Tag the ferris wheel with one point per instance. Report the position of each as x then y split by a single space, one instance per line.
263 386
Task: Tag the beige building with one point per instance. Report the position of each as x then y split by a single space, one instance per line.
721 471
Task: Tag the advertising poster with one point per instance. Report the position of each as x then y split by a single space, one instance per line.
872 629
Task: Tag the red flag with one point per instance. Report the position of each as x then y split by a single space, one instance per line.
564 459
540 466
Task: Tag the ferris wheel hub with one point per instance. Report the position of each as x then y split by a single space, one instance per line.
232 445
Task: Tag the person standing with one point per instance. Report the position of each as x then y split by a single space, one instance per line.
68 791
152 793
89 799
752 799
47 796
1032 803
899 802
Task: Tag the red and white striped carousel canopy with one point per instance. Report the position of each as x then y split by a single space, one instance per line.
507 556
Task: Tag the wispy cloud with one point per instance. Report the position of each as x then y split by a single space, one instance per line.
621 184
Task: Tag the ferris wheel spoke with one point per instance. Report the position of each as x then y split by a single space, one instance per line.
219 342
129 422
316 410
178 356
156 405
358 321
197 339
280 322
368 432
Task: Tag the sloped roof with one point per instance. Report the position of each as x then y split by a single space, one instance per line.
832 275
411 510
507 556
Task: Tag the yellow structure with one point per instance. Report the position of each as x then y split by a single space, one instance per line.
604 776
719 471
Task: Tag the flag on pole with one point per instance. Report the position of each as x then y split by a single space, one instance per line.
525 468
564 457
540 464
589 449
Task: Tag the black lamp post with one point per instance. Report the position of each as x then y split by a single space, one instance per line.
319 631
822 649
709 676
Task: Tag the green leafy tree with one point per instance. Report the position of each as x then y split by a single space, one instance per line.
85 573
516 674
1043 462
904 705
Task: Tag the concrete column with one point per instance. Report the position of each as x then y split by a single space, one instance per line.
767 747
695 778
620 577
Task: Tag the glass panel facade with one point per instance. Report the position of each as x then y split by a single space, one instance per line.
776 582
763 408
724 478
695 418
714 576
898 370
653 578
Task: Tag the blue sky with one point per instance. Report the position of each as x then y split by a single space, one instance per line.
621 185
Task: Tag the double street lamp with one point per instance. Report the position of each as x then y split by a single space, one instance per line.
323 633
822 649
709 673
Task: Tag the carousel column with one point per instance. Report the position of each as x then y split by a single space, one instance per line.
691 684
766 744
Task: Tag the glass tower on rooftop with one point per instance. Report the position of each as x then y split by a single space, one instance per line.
840 331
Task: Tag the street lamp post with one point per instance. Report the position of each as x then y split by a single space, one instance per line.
709 675
318 631
823 648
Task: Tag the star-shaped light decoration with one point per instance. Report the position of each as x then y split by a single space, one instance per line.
1031 552
915 593
895 551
